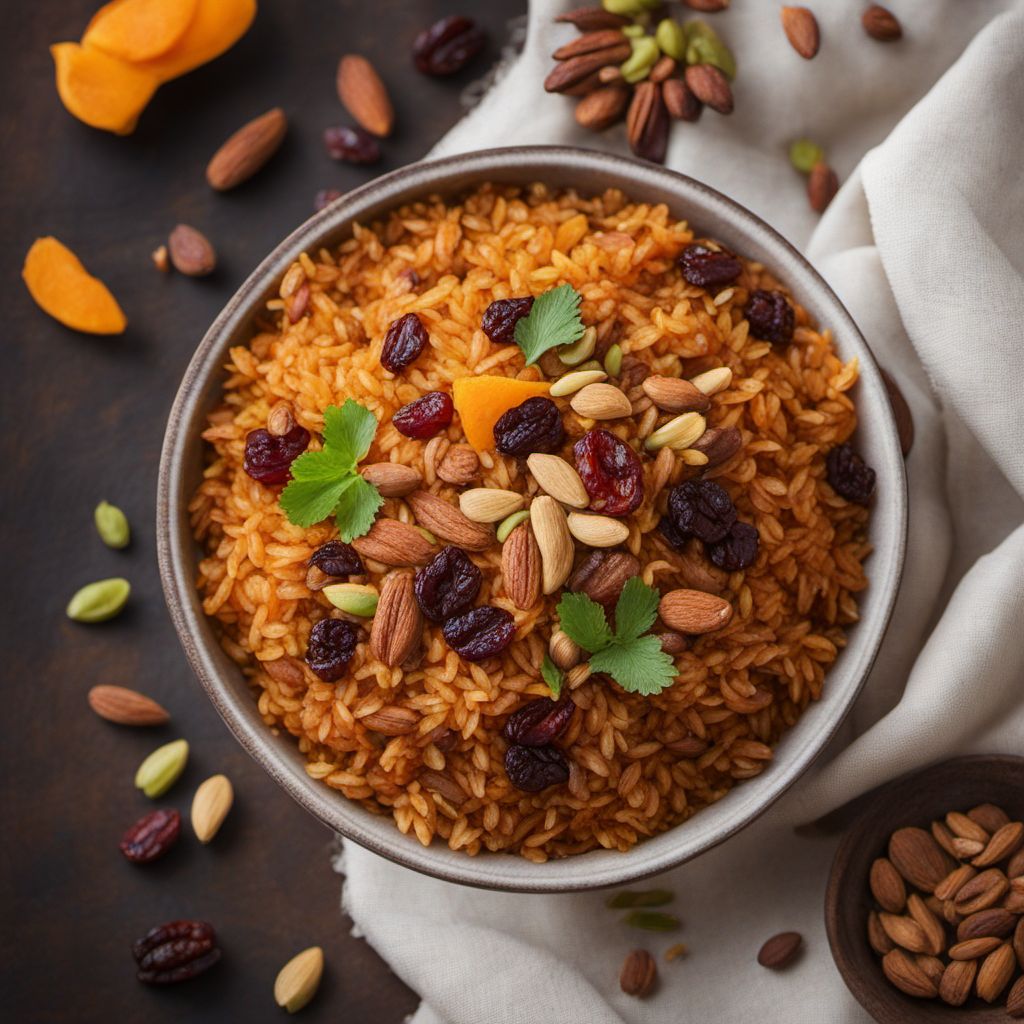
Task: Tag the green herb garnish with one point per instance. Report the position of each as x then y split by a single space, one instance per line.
554 320
636 662
552 675
328 481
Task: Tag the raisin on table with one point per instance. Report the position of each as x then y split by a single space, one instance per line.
447 46
332 642
480 633
611 473
151 836
533 426
532 769
447 585
425 416
353 145
176 951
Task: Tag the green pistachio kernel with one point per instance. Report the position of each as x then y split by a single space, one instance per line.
629 8
703 46
99 601
578 351
613 361
161 769
506 526
355 598
804 154
652 921
112 525
633 31
639 63
671 37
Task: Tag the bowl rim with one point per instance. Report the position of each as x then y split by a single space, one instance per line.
176 553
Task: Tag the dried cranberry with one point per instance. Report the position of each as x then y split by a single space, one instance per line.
538 723
611 472
708 268
425 416
770 317
332 642
501 317
325 197
532 769
336 558
534 426
176 951
405 340
269 457
447 46
850 476
447 585
151 836
480 633
736 550
701 509
352 145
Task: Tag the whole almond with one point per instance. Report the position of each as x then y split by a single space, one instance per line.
1015 1000
696 571
822 186
601 402
877 937
881 24
392 479
905 932
719 444
1018 942
966 828
996 972
298 980
971 949
931 965
601 108
952 883
673 394
710 86
588 43
801 28
694 611
489 504
1005 842
989 817
1014 901
444 785
986 923
647 122
780 950
950 914
364 95
210 806
903 972
247 150
459 465
639 974
392 720
444 520
191 252
934 932
589 19
557 478
126 707
398 623
943 837
918 858
520 567
679 100
286 670
981 892
1015 868
967 848
603 574
887 886
571 72
393 543
597 531
553 540
957 981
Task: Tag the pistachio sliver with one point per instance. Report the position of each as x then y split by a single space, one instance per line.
679 433
506 526
355 598
162 768
671 37
575 381
613 361
644 56
112 525
99 601
578 351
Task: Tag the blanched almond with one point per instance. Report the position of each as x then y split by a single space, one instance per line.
210 806
601 402
597 531
553 540
559 479
489 504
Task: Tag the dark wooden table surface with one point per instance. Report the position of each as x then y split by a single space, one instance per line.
82 420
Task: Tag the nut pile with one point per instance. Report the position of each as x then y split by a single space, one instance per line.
949 916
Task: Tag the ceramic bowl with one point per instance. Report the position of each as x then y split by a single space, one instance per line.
589 172
917 799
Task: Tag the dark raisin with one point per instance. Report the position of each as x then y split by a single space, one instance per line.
151 836
611 472
353 145
332 642
176 951
534 426
405 340
770 317
708 268
425 416
532 769
501 317
850 476
447 585
480 633
736 550
701 509
674 536
325 197
447 46
538 723
336 558
269 457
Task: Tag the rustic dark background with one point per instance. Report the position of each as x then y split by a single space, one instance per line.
82 420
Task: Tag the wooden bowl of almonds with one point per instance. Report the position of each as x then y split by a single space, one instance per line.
925 902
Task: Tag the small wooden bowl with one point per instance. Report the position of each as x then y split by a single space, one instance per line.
917 799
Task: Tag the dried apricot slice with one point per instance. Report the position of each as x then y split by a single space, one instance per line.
481 401
136 30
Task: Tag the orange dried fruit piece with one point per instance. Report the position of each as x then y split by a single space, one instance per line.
139 30
62 287
481 401
101 90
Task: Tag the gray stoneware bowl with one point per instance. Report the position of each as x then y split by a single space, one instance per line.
589 172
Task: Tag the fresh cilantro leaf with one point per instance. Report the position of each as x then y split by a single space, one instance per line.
584 620
552 675
554 320
638 665
357 507
306 502
349 430
635 610
321 467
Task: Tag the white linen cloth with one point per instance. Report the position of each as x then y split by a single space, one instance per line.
925 246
